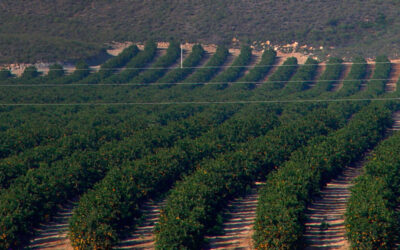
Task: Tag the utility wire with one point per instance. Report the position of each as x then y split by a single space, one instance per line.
203 102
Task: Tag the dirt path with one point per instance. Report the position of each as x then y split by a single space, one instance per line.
320 70
325 224
53 235
228 62
393 78
202 63
278 62
396 121
339 84
177 64
143 237
238 229
368 76
255 59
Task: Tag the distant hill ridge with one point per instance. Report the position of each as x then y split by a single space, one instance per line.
50 30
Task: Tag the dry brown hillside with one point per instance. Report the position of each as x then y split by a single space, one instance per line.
55 29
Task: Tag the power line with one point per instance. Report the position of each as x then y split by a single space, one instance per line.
203 102
181 83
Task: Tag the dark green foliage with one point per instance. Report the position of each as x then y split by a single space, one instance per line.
76 173
281 76
135 66
194 203
357 73
159 68
5 74
260 70
133 153
303 77
284 198
235 70
331 75
30 145
286 230
189 65
382 71
55 71
81 71
30 72
372 221
126 187
111 65
211 68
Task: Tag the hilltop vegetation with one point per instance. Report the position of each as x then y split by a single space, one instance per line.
48 30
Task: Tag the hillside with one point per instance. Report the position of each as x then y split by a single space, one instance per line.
47 30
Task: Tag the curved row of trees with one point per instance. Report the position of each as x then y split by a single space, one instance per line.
372 219
284 198
98 222
95 135
153 175
194 204
46 185
37 192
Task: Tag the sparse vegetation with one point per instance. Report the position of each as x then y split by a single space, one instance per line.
64 29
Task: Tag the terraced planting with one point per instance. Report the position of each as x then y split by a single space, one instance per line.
372 211
230 150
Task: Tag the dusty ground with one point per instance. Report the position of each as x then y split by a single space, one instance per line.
54 235
238 229
370 72
325 225
117 48
279 61
391 85
143 237
339 84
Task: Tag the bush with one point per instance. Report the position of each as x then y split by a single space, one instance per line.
5 74
30 73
